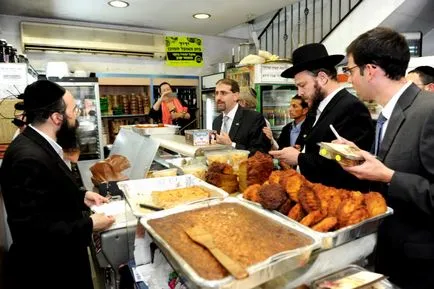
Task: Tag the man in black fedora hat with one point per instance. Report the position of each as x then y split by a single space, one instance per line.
315 76
43 201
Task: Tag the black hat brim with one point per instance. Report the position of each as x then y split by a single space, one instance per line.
325 62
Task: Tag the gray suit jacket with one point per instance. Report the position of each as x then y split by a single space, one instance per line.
407 237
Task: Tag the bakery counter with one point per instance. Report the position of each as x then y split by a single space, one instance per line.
177 143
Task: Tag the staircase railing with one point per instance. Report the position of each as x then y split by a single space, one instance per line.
288 28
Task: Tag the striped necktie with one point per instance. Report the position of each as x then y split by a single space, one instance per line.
225 127
378 132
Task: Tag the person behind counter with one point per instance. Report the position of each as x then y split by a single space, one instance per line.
293 133
241 128
402 168
315 76
43 202
168 108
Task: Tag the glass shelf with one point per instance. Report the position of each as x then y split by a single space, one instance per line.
123 115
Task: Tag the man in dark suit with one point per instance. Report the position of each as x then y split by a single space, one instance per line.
403 169
43 202
315 76
294 133
238 127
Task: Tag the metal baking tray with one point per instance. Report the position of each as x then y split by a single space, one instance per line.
154 129
137 191
343 235
259 273
347 271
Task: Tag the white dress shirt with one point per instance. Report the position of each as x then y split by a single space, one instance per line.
390 105
57 148
324 102
231 116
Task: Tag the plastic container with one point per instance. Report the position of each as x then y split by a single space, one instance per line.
163 173
344 154
352 277
221 156
197 170
237 156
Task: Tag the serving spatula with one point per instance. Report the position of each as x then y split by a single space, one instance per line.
204 238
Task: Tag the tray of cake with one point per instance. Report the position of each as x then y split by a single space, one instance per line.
147 195
262 243
154 129
338 216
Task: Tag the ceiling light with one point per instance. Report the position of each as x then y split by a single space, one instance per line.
201 16
118 4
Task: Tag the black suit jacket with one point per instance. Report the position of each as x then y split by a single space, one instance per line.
45 216
405 248
352 120
246 130
284 138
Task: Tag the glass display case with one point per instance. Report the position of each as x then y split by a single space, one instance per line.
208 110
86 94
274 101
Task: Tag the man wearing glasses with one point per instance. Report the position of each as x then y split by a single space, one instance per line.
237 127
42 199
402 164
423 77
315 76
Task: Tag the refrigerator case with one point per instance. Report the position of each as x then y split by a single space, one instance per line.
89 132
208 110
274 101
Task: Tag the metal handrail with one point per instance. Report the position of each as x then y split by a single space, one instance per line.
294 23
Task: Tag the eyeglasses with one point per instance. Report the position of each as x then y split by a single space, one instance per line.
347 70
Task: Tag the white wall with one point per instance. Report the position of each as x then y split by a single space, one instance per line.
369 14
216 49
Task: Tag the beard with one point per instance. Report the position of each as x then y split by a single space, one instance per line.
67 135
317 97
221 106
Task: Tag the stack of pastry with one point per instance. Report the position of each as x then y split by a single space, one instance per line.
255 170
109 169
222 175
314 205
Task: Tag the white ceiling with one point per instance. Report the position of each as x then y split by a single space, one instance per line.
171 15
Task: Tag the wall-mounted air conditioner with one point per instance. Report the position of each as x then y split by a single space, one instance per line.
64 38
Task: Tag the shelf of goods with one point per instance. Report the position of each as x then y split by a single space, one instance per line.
127 100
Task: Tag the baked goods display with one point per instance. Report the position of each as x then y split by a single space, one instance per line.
222 175
255 170
236 231
171 198
109 169
317 206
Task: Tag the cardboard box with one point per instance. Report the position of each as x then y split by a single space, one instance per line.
200 137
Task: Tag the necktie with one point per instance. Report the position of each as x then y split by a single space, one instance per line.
225 127
378 132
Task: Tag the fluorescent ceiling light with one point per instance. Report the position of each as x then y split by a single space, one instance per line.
201 16
119 4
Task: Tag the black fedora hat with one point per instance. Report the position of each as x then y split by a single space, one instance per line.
39 95
311 56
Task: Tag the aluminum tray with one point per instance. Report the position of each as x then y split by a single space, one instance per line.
347 271
137 191
259 273
153 129
341 236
